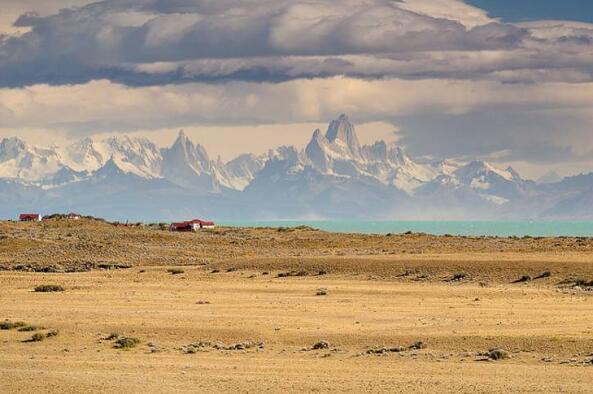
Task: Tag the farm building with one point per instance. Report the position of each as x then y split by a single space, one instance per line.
30 217
203 223
73 216
191 225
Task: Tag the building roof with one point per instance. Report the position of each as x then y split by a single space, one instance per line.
29 215
203 222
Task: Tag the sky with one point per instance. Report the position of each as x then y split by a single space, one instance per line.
504 81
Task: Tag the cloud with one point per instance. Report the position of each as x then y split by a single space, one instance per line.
152 42
541 123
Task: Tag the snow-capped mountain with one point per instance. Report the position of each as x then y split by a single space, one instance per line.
482 179
334 176
19 160
339 153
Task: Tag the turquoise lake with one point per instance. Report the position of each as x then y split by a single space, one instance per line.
492 228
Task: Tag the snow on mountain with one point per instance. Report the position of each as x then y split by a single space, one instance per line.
485 180
189 165
82 155
343 139
339 153
135 155
19 160
334 176
244 168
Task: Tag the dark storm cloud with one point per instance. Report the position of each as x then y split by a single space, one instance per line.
264 40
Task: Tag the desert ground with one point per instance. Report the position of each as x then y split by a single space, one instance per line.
140 309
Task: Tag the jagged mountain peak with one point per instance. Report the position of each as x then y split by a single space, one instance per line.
478 168
513 173
341 132
110 168
11 147
318 136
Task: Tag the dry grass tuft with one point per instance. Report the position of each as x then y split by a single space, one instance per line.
126 343
48 288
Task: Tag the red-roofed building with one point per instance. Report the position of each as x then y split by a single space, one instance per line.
191 225
30 217
203 223
183 226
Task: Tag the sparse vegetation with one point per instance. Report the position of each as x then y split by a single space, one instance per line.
545 274
524 278
112 336
292 273
497 354
321 345
126 343
38 336
458 277
321 292
48 288
284 312
583 283
52 333
175 271
203 345
29 328
107 266
417 345
9 325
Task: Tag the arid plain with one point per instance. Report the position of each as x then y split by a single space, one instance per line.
145 310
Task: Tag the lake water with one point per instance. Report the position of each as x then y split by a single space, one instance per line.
493 228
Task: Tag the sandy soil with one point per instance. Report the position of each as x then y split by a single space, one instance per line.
248 330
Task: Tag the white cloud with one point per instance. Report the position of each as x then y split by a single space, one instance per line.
546 122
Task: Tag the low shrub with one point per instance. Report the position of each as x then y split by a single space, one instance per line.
29 328
9 325
524 278
583 283
37 337
321 345
545 274
292 273
458 277
48 288
497 354
112 336
321 292
126 343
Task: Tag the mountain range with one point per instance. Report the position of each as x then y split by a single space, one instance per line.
334 177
